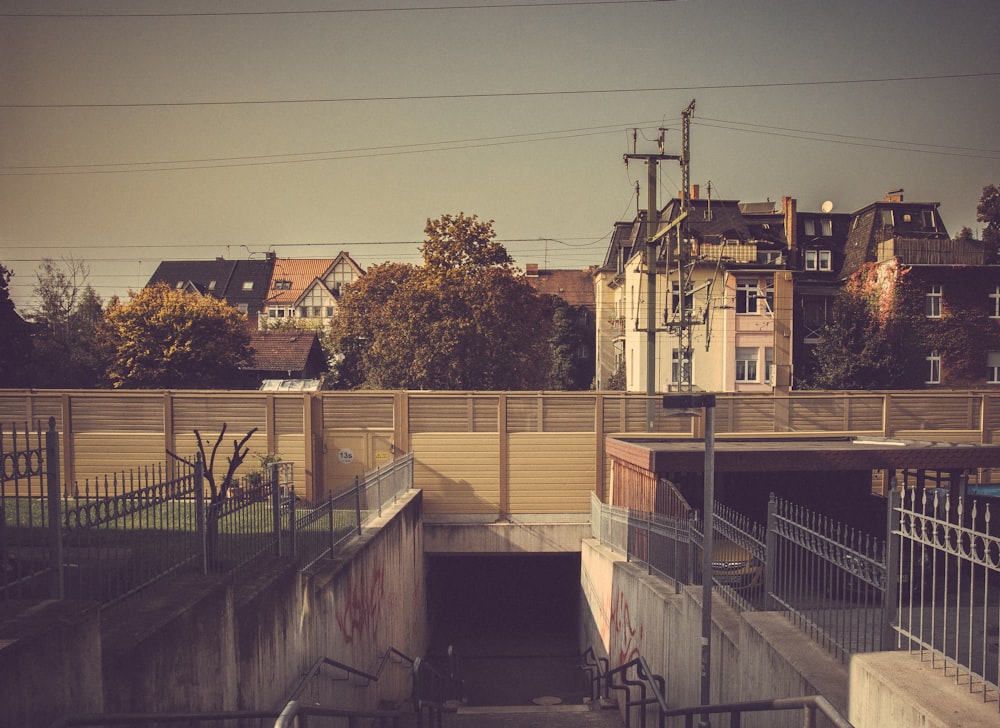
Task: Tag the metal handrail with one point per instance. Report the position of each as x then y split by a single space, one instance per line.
645 680
810 705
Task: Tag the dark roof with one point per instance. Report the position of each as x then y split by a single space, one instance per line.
575 287
625 237
709 220
283 350
235 281
868 230
811 454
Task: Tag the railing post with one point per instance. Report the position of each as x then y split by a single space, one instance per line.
292 525
378 489
890 600
199 510
276 508
57 586
357 501
333 530
771 552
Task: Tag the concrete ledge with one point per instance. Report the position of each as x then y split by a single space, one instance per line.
898 690
505 537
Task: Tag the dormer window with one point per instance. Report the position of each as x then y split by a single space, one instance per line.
827 226
282 285
887 219
819 260
211 285
928 219
810 227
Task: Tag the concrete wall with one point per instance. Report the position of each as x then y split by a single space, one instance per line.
753 656
50 657
196 643
899 690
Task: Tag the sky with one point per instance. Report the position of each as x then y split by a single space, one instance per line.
135 131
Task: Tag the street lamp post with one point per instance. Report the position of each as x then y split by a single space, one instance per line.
707 402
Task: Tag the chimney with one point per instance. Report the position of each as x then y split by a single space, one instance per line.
894 195
531 270
788 207
695 191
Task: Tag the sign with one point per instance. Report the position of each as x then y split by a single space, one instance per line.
346 456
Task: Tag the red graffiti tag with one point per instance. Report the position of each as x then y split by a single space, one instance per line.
362 607
624 635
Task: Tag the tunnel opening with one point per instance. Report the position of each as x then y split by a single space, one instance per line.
513 621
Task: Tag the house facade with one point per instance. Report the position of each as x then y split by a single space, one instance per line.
306 291
760 280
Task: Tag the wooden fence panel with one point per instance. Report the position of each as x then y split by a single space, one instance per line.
551 472
459 473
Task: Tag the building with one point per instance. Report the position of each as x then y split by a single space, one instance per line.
576 324
243 284
306 291
730 328
285 354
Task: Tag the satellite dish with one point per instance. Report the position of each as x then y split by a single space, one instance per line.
827 206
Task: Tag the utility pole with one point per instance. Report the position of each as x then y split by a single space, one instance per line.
685 346
652 223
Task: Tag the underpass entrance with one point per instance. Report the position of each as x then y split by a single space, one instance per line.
513 620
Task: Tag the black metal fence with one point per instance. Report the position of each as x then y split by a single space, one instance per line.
107 540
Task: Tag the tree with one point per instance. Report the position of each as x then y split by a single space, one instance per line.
988 211
67 318
166 338
570 336
463 320
15 353
869 342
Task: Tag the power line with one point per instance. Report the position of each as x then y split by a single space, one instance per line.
341 11
505 94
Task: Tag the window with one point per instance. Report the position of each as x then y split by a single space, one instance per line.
329 311
769 365
281 313
993 367
827 225
746 295
303 312
211 285
995 303
814 318
243 308
247 285
746 364
928 218
810 227
825 260
812 259
271 313
933 368
317 311
675 295
932 301
886 217
180 285
680 367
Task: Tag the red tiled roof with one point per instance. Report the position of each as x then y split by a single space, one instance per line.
300 272
282 350
575 287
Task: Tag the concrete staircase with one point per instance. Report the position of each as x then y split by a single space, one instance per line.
533 716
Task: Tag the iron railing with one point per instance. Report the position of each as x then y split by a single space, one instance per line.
948 571
319 530
106 540
829 578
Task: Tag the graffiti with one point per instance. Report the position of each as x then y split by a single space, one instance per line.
361 610
625 636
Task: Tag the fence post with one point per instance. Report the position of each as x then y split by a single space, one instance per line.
378 489
890 600
292 530
333 530
357 501
57 586
771 552
199 510
275 508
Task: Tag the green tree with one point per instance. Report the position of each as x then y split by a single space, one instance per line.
165 338
463 320
869 342
15 353
988 211
67 319
570 340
